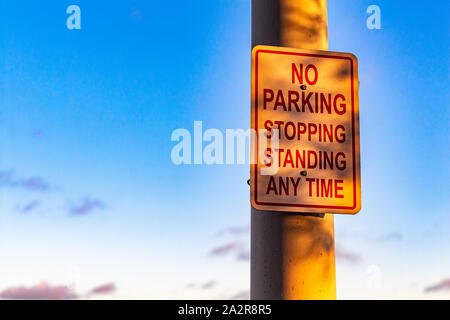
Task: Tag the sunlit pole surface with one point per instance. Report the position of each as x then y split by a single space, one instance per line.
292 255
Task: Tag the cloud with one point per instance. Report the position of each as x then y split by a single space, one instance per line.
208 285
86 206
30 206
242 295
225 249
242 253
31 184
347 256
443 285
45 291
39 292
190 285
106 288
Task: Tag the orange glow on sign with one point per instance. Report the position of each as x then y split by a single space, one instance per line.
305 112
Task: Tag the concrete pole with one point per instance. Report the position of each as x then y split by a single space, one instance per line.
292 255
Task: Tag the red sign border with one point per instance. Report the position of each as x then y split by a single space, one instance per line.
255 194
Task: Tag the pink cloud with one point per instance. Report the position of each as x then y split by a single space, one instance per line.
34 184
225 249
242 254
45 291
106 288
347 256
86 206
42 291
444 285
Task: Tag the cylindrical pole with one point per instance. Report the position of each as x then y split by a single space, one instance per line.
292 255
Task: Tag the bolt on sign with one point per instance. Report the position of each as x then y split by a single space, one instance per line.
305 120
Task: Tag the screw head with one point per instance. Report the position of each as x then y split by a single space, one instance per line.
303 87
303 173
248 181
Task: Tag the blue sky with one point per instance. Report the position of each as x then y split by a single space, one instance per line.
85 124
